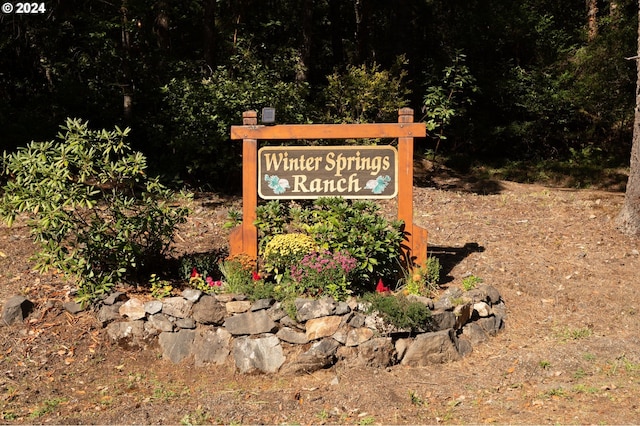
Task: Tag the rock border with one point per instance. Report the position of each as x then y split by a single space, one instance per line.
260 337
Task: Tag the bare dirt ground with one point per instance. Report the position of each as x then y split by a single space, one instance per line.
570 353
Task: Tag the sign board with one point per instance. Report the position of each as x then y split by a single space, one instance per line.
297 172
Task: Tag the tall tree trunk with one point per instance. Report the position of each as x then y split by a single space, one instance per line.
337 24
361 8
161 26
629 217
127 86
302 73
614 13
210 33
592 19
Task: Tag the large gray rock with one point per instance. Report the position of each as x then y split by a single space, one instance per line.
209 310
72 307
432 348
109 313
289 335
321 355
178 307
188 323
492 325
445 301
128 334
318 328
133 309
250 323
191 294
159 323
16 309
376 352
211 346
475 333
177 346
115 297
264 354
152 306
307 309
402 345
442 320
493 295
262 304
357 336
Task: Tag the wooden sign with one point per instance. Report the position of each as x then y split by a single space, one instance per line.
297 172
244 238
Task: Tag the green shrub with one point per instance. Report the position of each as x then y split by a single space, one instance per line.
399 311
366 93
358 228
93 211
340 226
191 131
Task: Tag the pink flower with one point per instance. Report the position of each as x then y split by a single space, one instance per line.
255 276
213 283
381 288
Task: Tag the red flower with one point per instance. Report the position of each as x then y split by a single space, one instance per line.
194 273
255 276
381 288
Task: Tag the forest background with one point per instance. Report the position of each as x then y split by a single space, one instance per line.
534 82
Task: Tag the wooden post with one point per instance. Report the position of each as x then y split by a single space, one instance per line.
244 239
415 248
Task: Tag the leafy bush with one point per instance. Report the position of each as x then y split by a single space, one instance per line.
196 114
366 93
340 225
399 311
95 214
358 228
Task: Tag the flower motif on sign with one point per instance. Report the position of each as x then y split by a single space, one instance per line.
279 186
378 184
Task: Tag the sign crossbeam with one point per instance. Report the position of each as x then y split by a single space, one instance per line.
244 238
329 131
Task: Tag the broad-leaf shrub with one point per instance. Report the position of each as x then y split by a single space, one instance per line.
91 208
339 225
192 129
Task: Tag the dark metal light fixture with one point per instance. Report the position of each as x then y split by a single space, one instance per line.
268 115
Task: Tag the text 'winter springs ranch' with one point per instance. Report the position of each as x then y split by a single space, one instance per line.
312 172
